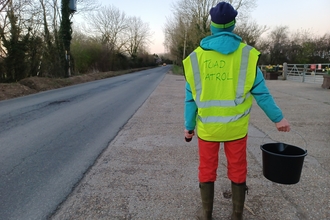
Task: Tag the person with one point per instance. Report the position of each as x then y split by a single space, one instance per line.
222 78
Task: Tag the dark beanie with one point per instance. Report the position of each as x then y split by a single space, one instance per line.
223 15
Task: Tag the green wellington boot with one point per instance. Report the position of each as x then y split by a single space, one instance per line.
238 198
207 195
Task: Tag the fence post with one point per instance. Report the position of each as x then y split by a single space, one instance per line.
285 70
304 72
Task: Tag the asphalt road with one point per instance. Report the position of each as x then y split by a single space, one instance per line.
50 139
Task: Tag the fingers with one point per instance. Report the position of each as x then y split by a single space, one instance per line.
284 128
189 134
283 125
281 129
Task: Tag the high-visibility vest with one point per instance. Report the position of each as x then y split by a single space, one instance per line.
220 86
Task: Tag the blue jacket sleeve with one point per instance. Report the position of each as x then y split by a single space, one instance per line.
264 99
190 110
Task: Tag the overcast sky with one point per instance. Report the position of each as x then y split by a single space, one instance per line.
296 14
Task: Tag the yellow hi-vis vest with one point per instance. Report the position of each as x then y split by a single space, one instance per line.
220 86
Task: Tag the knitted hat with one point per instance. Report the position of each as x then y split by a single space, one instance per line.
223 15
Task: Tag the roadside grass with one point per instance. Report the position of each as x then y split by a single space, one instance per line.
177 70
36 84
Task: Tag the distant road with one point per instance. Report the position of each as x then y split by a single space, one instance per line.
50 139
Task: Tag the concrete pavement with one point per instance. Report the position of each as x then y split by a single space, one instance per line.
150 172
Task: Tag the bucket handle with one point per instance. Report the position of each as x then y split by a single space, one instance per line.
290 131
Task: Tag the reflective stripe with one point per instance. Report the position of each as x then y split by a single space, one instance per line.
240 87
221 119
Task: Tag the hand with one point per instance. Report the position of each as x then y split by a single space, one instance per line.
188 134
283 125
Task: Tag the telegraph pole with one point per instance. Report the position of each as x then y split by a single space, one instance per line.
184 43
68 8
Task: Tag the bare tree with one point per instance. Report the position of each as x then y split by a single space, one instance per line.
175 38
110 24
87 6
302 46
193 19
250 31
17 39
138 35
3 4
323 45
191 23
279 38
33 40
244 7
275 46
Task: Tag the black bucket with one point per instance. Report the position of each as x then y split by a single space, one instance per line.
282 163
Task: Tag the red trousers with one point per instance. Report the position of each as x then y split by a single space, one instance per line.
209 158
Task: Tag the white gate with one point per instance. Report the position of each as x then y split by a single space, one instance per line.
307 73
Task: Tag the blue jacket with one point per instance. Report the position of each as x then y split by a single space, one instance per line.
226 43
